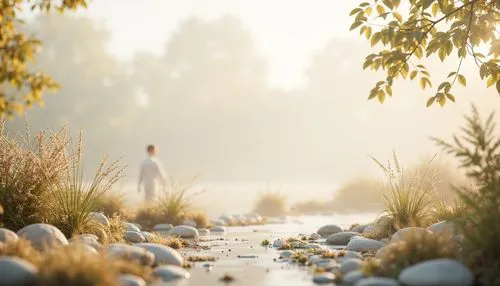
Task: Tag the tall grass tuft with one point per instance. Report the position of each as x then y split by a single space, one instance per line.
174 206
443 211
29 166
478 150
200 218
407 200
271 204
74 198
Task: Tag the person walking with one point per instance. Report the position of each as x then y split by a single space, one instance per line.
151 173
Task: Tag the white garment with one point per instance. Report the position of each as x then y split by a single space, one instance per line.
151 172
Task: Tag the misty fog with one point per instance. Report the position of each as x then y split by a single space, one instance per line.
208 101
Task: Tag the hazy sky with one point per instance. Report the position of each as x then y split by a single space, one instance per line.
286 32
297 145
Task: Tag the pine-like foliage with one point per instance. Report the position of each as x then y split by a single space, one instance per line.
478 150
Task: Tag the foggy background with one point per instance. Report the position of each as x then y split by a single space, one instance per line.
252 96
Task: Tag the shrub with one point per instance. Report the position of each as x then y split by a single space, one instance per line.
172 207
443 211
29 166
200 218
271 204
74 199
416 248
116 230
478 150
310 207
407 200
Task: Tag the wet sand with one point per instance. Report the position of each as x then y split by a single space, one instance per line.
241 256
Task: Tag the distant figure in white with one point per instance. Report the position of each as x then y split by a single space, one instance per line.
151 175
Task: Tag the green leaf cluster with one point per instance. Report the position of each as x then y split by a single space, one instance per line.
439 28
20 85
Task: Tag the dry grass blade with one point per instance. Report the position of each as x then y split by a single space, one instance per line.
407 199
29 167
23 249
74 198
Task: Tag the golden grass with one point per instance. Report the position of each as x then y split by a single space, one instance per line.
199 258
29 166
73 198
271 204
23 249
42 180
76 266
116 230
170 241
172 207
73 266
407 199
200 218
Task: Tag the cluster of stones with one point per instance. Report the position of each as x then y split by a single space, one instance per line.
344 264
166 262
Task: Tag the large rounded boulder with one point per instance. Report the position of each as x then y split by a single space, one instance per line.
184 231
43 236
437 272
7 235
341 238
327 230
134 237
163 254
100 218
364 245
409 232
15 271
170 272
131 252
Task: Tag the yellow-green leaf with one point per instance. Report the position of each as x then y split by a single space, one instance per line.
388 90
491 81
355 25
423 82
430 101
461 80
442 100
413 74
450 97
368 11
442 53
375 38
381 96
435 9
380 10
355 11
368 32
